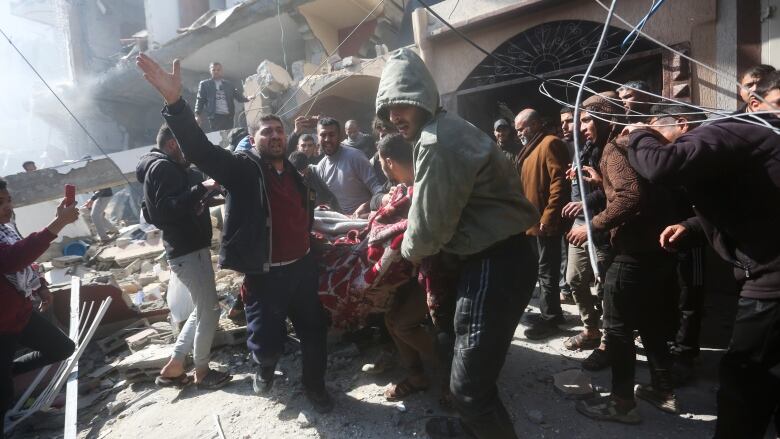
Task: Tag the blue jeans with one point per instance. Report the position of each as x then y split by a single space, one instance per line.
287 291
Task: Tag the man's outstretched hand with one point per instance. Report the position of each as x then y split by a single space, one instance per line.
168 84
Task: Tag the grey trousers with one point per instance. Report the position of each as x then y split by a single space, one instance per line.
579 276
98 215
194 270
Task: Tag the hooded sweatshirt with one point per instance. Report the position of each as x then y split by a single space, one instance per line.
172 202
467 194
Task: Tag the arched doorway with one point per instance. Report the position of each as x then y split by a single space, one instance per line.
556 49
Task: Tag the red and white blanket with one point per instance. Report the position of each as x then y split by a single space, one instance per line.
361 271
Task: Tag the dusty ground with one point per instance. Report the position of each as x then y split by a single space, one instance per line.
361 411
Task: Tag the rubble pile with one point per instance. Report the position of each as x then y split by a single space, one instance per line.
136 338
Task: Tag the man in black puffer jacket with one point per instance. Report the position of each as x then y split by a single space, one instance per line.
174 202
731 172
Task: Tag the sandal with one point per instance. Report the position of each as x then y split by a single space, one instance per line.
214 380
180 381
403 389
580 343
442 427
597 360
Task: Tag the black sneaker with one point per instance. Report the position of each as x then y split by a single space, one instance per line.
542 329
320 400
607 408
263 382
664 401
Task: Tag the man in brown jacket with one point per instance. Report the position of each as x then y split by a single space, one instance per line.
542 164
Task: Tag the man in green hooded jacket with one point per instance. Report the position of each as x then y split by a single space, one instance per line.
467 203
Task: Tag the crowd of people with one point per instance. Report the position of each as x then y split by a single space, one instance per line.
489 220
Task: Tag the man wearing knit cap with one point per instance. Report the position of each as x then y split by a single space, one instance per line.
506 139
640 282
579 273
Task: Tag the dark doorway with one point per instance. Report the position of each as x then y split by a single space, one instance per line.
558 49
483 105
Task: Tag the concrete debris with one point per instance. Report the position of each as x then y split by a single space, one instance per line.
66 261
117 339
124 256
573 384
146 278
229 334
144 364
151 335
273 77
101 372
136 341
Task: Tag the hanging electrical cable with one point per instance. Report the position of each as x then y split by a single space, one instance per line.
728 77
639 26
592 255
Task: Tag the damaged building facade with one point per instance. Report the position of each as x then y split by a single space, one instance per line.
555 39
102 38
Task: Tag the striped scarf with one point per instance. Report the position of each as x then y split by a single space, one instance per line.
26 281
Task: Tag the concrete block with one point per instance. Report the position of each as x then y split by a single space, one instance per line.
273 77
136 341
117 339
229 334
66 261
573 384
147 278
151 357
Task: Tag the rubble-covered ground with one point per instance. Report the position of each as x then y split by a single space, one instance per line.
141 410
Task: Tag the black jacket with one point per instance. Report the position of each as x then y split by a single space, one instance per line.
731 172
172 202
246 235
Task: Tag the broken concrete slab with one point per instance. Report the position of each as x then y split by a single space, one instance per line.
144 363
272 77
230 334
134 250
146 279
66 261
573 384
101 371
136 341
117 339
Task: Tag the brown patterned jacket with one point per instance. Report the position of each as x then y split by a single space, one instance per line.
636 211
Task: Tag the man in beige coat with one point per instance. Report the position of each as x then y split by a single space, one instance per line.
542 165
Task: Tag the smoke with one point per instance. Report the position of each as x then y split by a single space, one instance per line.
24 135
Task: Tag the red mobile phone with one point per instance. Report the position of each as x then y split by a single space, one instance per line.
70 194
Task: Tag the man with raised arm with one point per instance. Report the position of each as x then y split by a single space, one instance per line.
266 235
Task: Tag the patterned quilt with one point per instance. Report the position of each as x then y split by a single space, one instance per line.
361 269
